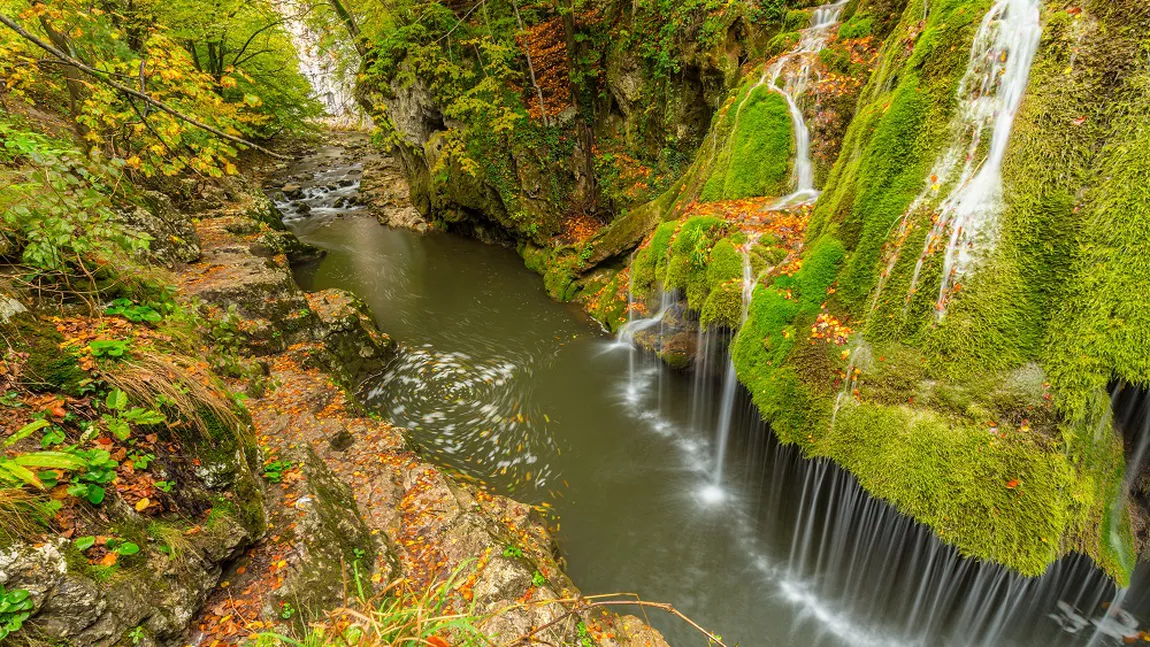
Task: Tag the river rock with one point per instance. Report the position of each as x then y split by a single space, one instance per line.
331 545
349 334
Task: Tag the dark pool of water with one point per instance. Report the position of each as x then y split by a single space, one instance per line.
527 394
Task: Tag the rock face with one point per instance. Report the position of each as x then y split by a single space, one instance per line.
159 596
486 180
389 195
349 335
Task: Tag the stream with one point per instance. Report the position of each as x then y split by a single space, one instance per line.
526 394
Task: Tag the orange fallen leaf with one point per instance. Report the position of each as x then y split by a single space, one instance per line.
1012 483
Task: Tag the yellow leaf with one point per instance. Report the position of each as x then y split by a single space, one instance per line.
142 504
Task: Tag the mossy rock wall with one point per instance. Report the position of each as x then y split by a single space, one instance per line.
994 407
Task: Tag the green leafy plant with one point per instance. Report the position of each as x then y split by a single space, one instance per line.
25 431
133 312
122 547
83 544
53 435
141 460
274 471
538 580
286 610
109 348
512 551
585 639
120 418
101 470
15 607
165 486
136 634
16 470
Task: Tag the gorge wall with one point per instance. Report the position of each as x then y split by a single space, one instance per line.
948 319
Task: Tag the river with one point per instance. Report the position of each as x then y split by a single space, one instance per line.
528 395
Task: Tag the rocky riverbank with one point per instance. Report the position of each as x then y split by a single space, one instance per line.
353 497
259 496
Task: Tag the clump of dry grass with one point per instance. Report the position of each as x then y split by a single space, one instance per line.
160 382
396 617
22 516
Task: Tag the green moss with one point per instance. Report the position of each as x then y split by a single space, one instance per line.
48 367
688 257
723 307
777 315
725 264
755 159
1105 302
958 479
860 25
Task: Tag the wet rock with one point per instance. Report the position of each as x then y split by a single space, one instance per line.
274 243
293 191
332 545
342 441
675 341
348 333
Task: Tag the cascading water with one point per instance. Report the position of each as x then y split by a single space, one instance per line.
795 70
859 573
797 554
989 94
731 381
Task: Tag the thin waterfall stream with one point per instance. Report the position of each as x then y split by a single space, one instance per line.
501 383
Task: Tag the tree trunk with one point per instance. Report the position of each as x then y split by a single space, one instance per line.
586 113
76 88
530 65
352 28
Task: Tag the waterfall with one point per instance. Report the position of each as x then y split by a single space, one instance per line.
795 71
1130 414
638 382
989 95
855 570
859 573
731 379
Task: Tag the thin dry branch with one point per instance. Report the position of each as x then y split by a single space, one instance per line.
583 604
